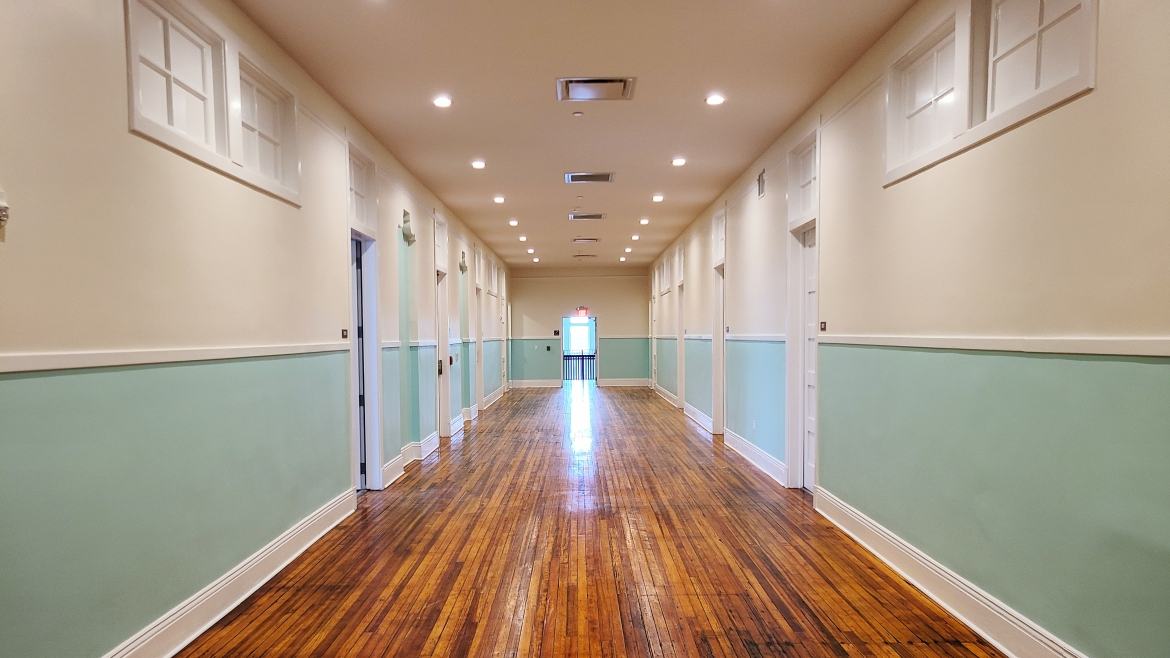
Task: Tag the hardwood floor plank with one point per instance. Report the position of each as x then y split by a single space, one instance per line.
587 522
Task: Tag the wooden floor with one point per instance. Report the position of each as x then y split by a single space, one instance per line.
586 522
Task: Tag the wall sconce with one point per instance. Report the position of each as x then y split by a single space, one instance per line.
407 234
463 262
3 209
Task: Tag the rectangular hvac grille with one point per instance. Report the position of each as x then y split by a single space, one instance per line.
578 216
595 89
589 177
585 240
584 255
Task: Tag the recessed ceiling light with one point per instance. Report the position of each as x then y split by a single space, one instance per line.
578 114
499 199
478 164
629 249
635 237
512 222
645 221
532 251
715 99
622 259
443 101
536 260
524 238
678 162
657 198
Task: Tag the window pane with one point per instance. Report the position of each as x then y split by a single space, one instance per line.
920 83
268 157
190 114
152 94
944 119
1054 9
148 30
248 102
251 150
266 109
187 60
1060 50
1014 21
919 132
946 69
1014 78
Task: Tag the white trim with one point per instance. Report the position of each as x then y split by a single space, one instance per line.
493 397
669 337
424 343
475 411
699 417
429 445
456 424
26 362
468 414
391 344
643 336
1118 346
167 635
772 467
698 337
624 382
758 338
1008 630
537 383
411 452
666 395
394 469
534 338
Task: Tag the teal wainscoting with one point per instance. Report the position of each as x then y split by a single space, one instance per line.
667 373
493 376
698 373
756 393
623 358
391 403
427 391
1043 479
468 354
534 358
123 491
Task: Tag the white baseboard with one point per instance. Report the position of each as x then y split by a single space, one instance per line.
493 397
177 628
772 467
393 469
456 425
537 383
698 416
666 395
474 411
429 445
624 382
467 415
1008 630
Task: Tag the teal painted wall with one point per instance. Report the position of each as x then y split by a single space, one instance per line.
756 393
1043 479
467 350
391 404
493 377
426 392
623 358
698 373
534 358
667 375
126 490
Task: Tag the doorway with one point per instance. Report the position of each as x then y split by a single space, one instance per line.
579 348
810 328
365 363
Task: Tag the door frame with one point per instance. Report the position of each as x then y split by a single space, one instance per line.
369 352
797 338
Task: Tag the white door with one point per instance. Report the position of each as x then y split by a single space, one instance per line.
809 356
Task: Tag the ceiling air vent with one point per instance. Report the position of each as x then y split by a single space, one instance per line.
589 177
595 89
585 240
584 255
578 216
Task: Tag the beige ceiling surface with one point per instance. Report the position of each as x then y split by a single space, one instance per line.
498 60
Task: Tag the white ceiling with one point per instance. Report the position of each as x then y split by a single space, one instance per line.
386 60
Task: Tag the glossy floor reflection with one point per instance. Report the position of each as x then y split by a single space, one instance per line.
586 522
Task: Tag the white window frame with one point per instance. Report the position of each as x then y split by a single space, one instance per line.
799 218
226 155
974 124
364 218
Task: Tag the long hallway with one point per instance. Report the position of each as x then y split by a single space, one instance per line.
586 522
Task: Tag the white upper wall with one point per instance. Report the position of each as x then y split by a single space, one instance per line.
118 243
620 304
